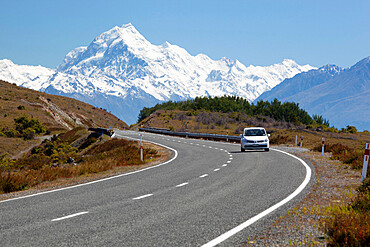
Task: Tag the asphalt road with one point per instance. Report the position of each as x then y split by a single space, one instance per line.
207 189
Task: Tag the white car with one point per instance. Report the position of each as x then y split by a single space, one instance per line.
255 138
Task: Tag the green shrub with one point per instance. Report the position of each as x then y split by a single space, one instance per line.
29 134
11 133
21 107
349 225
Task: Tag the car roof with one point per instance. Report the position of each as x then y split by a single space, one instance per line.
254 128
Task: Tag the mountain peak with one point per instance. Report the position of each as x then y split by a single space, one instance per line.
331 69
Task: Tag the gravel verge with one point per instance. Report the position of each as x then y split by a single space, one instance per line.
334 184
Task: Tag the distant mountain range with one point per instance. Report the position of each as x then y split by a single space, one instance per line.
123 72
340 95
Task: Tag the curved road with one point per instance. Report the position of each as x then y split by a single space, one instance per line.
207 195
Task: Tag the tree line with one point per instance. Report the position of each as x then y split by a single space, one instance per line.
287 111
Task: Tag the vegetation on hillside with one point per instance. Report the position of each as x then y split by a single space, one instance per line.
25 128
348 225
72 154
288 112
25 113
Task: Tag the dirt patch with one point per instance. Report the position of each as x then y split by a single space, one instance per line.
163 156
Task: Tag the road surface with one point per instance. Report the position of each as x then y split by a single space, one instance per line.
207 192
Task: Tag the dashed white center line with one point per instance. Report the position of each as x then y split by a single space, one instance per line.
224 165
228 161
216 170
210 147
221 149
203 176
141 197
183 184
191 143
70 216
230 158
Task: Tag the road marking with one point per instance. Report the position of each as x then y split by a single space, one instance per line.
229 161
216 170
230 155
230 158
104 179
70 216
191 143
203 176
252 220
221 149
210 147
142 197
224 165
183 184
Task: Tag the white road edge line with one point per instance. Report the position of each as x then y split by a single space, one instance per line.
216 170
104 179
183 184
70 216
142 197
249 222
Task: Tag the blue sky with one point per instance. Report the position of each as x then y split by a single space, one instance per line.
254 32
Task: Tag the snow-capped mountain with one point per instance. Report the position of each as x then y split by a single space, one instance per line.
123 72
340 95
301 82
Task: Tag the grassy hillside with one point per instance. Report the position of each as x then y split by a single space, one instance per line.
56 113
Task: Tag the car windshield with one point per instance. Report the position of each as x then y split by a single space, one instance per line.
254 132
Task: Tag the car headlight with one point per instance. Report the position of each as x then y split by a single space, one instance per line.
266 140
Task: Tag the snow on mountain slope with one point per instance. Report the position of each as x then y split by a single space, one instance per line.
341 96
124 72
28 76
301 82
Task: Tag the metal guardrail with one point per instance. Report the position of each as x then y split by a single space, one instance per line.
192 135
103 131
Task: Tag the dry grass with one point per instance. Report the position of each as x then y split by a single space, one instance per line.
233 124
16 102
108 157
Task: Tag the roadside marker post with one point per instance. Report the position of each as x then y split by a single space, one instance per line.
296 140
366 161
227 136
323 147
141 148
301 141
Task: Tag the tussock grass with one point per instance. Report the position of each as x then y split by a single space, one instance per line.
349 225
56 159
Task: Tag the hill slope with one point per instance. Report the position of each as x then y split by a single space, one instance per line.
343 97
56 113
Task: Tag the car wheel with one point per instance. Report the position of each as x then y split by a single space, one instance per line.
242 150
267 149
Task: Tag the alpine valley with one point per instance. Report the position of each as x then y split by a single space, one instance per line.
123 72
